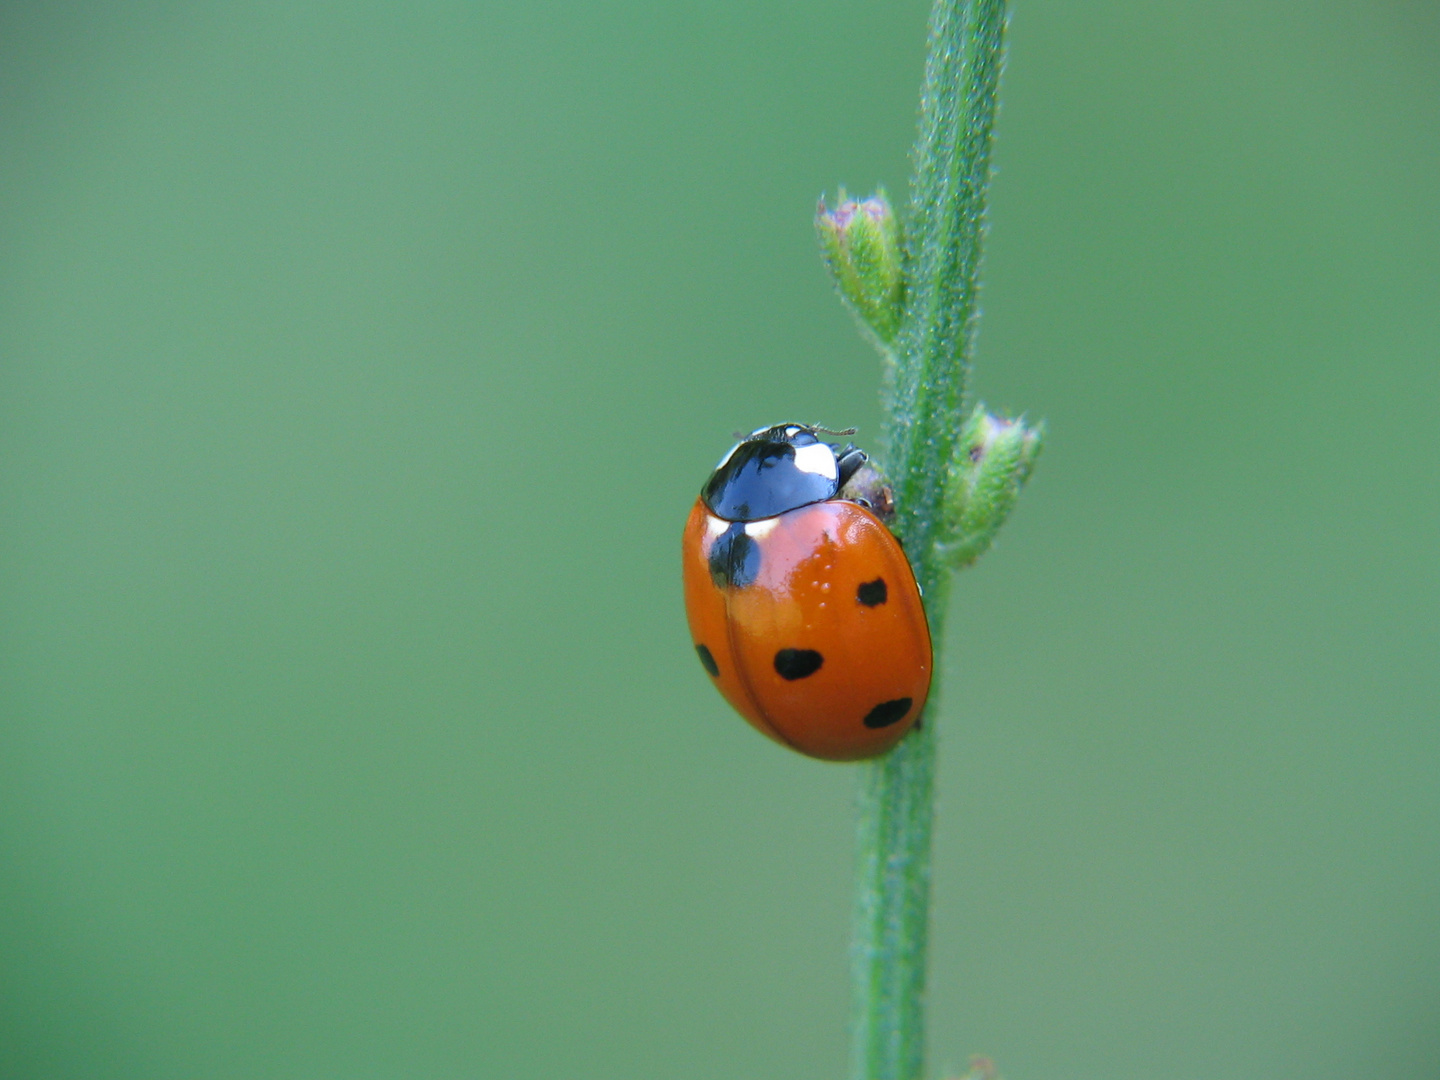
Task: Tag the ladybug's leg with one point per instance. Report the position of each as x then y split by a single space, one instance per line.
849 461
863 483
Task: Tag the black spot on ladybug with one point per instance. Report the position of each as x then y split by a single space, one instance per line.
707 661
734 558
872 593
795 664
888 712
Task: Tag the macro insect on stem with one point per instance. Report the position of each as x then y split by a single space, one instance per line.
806 612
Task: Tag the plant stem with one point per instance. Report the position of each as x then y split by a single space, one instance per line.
923 418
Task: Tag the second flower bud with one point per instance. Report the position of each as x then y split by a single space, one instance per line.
860 241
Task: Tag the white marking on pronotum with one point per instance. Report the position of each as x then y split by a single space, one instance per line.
714 526
818 459
758 530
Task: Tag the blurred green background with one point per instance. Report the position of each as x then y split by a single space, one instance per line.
358 365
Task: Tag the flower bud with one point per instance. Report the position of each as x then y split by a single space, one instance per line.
981 1068
860 242
996 457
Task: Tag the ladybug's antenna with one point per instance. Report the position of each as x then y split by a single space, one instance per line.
778 429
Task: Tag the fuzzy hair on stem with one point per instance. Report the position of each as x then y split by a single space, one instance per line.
924 418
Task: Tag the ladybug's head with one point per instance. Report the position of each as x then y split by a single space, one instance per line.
779 468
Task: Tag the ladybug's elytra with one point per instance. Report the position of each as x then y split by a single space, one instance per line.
802 606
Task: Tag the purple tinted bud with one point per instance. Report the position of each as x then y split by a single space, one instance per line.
860 241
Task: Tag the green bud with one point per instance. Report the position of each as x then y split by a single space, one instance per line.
996 457
860 242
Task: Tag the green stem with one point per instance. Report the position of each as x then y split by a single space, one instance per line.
923 419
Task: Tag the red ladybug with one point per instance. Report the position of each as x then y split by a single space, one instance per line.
802 605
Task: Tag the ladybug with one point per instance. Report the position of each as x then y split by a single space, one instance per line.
802 606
